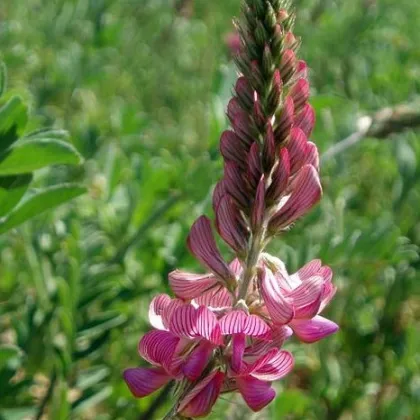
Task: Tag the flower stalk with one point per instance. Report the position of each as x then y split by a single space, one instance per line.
225 329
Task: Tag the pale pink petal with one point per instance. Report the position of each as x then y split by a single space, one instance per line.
257 394
279 307
189 285
197 360
207 325
307 297
156 308
308 270
238 348
158 347
200 401
278 366
145 381
169 310
261 347
217 298
327 295
233 322
315 329
305 193
203 246
183 321
312 155
236 267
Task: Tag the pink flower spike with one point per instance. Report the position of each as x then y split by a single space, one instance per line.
203 246
315 329
189 285
257 394
297 147
145 381
300 93
254 166
279 307
197 361
305 120
306 192
312 155
285 121
201 399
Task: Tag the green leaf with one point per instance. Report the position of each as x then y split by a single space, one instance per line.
35 154
20 413
12 189
39 201
50 133
13 119
8 352
3 79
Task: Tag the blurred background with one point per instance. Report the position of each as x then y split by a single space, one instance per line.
142 86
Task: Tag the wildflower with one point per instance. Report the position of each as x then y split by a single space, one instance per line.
225 329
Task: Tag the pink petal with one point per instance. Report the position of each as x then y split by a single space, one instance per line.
244 92
145 381
261 347
236 267
278 366
207 325
305 120
315 329
300 93
158 347
218 298
288 65
197 361
285 121
307 297
254 166
258 208
230 225
279 307
256 327
203 246
189 285
218 193
308 270
269 149
312 155
297 147
233 322
327 295
233 148
235 184
183 321
156 308
200 401
257 394
238 348
280 177
306 192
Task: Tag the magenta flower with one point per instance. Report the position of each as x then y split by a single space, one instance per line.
225 330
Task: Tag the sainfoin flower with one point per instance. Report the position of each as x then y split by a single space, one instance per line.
224 329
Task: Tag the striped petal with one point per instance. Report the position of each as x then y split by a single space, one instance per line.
257 394
258 208
315 329
238 348
197 361
156 309
306 192
307 297
200 401
203 246
261 347
297 147
145 381
183 322
233 322
217 298
276 367
189 285
207 325
158 347
279 307
256 327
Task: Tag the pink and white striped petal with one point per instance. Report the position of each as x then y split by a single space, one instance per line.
238 348
261 347
158 347
207 325
315 329
307 271
307 297
279 365
199 402
257 394
279 307
217 299
233 322
156 309
189 285
197 360
145 381
183 322
203 246
256 327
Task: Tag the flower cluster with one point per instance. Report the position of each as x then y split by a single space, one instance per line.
224 330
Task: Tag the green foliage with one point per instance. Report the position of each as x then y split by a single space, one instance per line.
142 87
